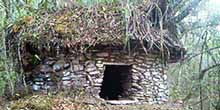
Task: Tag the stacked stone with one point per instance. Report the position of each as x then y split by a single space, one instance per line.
79 74
52 74
138 82
42 78
160 88
94 76
148 81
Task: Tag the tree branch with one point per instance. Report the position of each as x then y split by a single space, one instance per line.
186 11
207 69
210 49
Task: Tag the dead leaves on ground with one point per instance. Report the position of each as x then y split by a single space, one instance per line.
59 102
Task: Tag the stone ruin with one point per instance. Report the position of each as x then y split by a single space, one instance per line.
111 76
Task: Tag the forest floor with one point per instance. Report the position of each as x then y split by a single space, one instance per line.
73 102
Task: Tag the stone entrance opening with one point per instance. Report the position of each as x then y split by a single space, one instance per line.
116 82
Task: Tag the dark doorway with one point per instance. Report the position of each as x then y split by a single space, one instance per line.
116 82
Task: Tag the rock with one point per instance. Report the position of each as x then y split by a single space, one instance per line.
147 75
144 83
134 70
101 70
155 73
36 87
162 86
78 68
94 72
45 69
57 67
66 78
99 65
44 76
99 62
165 77
59 74
150 101
97 85
67 83
148 66
164 100
149 63
149 93
103 54
49 62
139 69
39 83
66 65
79 73
139 60
38 79
141 98
29 82
141 77
135 77
97 89
140 93
137 86
50 83
91 65
166 92
65 74
98 80
86 85
160 90
156 79
131 60
122 102
47 75
160 94
160 69
134 90
78 76
90 69
144 65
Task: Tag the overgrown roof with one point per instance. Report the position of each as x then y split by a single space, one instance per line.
113 23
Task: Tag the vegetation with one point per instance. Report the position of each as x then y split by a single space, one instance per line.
195 80
68 101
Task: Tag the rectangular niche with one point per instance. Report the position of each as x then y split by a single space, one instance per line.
116 82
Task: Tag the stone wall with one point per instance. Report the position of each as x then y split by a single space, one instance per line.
148 78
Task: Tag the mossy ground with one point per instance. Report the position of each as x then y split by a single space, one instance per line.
71 101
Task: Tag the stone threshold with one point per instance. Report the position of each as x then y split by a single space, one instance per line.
122 102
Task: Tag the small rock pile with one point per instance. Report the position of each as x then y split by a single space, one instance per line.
52 74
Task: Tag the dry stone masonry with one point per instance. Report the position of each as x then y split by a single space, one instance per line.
146 80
